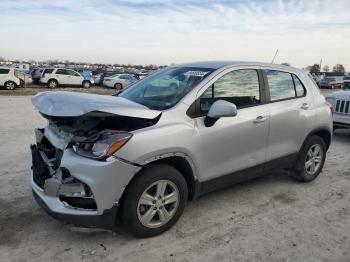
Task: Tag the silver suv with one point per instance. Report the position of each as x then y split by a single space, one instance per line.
136 158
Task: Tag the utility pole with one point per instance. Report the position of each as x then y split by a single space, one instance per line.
273 59
321 65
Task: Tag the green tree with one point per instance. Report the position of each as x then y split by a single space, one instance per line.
315 68
326 68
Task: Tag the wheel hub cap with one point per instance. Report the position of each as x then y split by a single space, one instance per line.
158 204
313 159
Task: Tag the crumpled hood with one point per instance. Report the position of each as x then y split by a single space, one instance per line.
72 104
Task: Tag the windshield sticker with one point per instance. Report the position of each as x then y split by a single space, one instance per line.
196 73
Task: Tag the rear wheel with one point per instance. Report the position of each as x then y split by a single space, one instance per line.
311 160
10 85
118 86
52 83
154 201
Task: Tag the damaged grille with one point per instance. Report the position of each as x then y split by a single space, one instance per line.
46 159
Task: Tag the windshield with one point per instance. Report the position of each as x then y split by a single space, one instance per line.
164 89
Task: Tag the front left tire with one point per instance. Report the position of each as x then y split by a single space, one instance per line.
118 86
86 84
154 201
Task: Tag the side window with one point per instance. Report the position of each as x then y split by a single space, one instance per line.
4 71
281 85
240 87
122 77
61 72
48 71
72 73
299 88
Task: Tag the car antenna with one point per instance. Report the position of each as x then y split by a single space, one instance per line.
273 59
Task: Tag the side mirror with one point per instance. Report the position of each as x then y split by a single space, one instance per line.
222 108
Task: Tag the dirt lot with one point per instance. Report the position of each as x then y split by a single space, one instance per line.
34 89
269 219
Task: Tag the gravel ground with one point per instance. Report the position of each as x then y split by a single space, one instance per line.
268 219
34 89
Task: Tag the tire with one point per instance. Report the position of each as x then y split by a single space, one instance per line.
52 83
86 84
134 213
10 85
308 155
118 86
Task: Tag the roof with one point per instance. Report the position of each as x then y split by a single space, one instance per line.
221 64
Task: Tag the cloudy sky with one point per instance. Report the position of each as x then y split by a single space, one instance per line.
164 32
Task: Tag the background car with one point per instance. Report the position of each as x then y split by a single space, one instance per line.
119 81
340 101
331 82
61 76
9 78
36 75
97 78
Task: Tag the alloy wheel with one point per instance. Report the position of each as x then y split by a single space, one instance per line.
158 204
313 160
10 86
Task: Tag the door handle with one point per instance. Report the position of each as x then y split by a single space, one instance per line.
305 106
259 119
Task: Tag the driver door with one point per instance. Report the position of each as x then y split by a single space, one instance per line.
238 143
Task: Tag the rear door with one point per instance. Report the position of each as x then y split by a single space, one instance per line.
3 75
74 77
62 76
290 115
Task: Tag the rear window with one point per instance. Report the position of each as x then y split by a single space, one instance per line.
281 85
284 85
61 72
48 71
4 71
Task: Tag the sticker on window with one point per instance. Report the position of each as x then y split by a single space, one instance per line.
196 73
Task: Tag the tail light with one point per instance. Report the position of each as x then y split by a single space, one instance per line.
330 106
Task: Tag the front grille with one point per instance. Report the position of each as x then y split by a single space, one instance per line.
342 106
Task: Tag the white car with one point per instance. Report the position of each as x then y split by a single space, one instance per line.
119 82
8 78
61 76
340 101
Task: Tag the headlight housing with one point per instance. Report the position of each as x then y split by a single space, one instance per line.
104 146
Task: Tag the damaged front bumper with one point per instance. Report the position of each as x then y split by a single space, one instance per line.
76 189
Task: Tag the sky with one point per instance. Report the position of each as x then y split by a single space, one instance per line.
165 32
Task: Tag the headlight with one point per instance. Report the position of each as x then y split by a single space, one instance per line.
106 144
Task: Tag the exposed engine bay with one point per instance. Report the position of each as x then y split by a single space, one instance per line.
63 130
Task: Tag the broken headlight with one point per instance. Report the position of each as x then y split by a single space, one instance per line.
104 146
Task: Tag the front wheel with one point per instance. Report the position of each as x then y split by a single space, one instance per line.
118 86
86 84
52 83
311 160
154 201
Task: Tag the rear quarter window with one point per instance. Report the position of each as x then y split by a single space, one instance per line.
4 71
